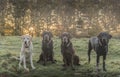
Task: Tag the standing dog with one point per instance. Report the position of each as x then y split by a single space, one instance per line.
68 52
26 49
100 45
47 48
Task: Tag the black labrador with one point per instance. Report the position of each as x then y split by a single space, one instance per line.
47 48
100 45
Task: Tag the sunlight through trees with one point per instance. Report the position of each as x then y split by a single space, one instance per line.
80 17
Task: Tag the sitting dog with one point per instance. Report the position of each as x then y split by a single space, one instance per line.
100 46
47 48
26 49
68 53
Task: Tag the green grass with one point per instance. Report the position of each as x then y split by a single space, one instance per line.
10 47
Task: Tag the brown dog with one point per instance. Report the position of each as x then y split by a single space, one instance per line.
68 52
47 48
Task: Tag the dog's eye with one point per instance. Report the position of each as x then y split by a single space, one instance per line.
27 38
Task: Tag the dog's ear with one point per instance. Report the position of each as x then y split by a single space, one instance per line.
110 36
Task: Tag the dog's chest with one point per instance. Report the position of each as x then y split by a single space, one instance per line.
67 50
101 50
27 50
46 44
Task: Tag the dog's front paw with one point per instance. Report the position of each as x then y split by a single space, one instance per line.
97 69
38 61
54 61
44 64
33 68
63 65
20 66
73 69
27 69
104 70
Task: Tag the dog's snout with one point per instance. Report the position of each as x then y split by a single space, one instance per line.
104 40
65 39
46 37
25 42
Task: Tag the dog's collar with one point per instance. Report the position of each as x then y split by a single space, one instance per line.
49 41
26 47
68 44
100 43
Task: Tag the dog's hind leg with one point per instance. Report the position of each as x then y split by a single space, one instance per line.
40 58
89 51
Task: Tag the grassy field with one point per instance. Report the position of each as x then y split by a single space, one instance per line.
10 48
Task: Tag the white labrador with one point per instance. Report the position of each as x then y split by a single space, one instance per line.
26 49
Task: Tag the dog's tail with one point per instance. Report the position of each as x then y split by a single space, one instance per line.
89 51
16 58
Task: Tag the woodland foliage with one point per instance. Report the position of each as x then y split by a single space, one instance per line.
79 17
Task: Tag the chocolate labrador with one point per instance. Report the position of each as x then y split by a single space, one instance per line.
68 52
